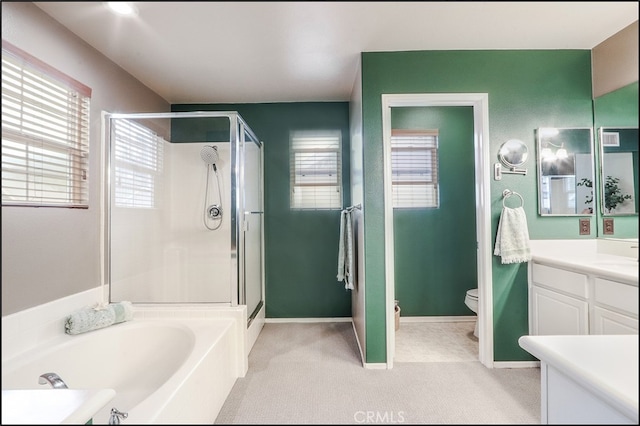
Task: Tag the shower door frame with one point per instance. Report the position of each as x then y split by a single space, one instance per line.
238 203
237 129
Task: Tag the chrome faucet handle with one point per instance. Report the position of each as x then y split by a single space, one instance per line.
117 416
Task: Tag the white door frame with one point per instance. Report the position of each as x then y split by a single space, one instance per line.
480 104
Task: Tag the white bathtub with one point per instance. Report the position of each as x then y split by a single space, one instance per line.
163 370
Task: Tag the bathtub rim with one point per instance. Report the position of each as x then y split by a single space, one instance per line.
150 407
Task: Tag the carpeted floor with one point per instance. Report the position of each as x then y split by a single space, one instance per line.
312 374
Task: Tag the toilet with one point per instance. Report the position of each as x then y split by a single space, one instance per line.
471 300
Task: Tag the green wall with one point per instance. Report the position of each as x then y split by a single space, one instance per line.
527 90
427 238
301 247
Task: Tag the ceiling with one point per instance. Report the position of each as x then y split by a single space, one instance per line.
250 52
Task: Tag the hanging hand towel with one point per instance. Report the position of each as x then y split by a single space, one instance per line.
512 239
345 251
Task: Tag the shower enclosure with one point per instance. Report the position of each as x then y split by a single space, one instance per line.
184 209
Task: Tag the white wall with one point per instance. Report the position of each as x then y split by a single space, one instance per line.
165 253
50 253
614 62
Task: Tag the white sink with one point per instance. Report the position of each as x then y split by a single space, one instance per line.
619 247
624 264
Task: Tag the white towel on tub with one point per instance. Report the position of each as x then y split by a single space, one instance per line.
345 250
512 239
89 319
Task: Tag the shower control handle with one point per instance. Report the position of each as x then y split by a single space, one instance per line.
215 212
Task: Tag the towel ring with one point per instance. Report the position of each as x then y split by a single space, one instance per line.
508 193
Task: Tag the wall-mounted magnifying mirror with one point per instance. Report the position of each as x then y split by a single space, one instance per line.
565 171
618 171
513 153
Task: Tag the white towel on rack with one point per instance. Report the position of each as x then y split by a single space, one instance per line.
512 239
345 250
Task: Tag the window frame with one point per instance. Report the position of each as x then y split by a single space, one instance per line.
332 177
430 172
45 134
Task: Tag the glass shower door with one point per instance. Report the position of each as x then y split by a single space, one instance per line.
252 232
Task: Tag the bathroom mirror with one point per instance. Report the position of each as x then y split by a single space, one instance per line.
565 171
618 170
513 153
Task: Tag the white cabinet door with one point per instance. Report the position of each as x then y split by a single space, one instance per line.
609 322
555 313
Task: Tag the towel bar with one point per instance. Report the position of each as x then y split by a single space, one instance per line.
508 193
356 206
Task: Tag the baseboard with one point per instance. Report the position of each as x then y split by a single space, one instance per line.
438 319
306 320
375 365
516 364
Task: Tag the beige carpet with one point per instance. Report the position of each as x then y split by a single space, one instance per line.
312 374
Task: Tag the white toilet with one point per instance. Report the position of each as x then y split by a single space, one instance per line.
471 300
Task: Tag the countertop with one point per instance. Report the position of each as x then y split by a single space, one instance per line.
606 365
53 406
583 256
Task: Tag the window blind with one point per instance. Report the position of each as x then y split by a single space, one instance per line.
138 164
414 169
45 134
316 178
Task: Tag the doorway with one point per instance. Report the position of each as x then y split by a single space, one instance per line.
479 104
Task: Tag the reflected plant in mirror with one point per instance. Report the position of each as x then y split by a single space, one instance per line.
565 171
619 170
588 183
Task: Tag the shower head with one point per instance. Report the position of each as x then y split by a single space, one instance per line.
209 154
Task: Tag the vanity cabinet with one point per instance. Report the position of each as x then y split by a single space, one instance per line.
558 301
586 379
615 308
568 302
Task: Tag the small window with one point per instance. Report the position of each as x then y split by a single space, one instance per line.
316 178
138 164
45 134
414 168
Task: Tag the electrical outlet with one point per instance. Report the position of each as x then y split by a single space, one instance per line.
585 226
608 226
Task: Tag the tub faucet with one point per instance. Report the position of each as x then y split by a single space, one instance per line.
53 379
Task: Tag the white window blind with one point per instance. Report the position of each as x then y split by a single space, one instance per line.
138 164
414 169
45 134
316 178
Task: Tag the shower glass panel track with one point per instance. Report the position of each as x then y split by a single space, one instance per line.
184 209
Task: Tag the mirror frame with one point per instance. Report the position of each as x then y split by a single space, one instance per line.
601 177
592 162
